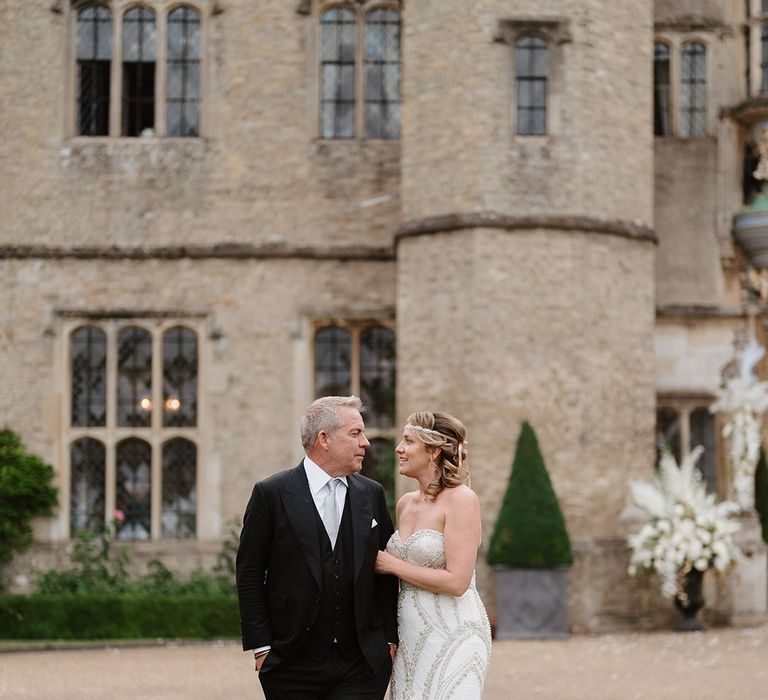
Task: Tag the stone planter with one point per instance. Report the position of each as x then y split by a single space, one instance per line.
531 603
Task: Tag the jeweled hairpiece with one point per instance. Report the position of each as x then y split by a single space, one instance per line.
410 426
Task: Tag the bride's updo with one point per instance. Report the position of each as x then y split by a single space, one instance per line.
449 434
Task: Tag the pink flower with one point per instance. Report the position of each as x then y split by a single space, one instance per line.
119 515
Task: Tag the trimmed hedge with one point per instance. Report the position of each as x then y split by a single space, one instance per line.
530 531
118 617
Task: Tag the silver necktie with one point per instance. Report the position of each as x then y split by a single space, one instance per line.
331 516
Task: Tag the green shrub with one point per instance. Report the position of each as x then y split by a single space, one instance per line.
761 492
25 493
530 530
118 617
98 566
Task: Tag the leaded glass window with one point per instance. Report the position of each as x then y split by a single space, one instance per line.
661 83
134 377
88 367
139 56
179 489
333 357
668 432
179 377
702 426
133 489
382 74
532 71
764 57
337 112
87 464
693 93
183 83
377 375
94 54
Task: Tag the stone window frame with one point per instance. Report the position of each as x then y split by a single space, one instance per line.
110 435
675 42
361 8
555 31
685 405
118 8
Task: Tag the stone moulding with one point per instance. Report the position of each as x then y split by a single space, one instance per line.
236 251
585 224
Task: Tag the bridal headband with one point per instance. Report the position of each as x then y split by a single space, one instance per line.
429 431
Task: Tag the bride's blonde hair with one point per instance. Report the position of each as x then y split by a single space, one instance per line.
449 434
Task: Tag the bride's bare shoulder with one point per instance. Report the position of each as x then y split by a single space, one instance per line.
462 496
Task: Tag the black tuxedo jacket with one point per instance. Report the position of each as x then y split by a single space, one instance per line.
279 567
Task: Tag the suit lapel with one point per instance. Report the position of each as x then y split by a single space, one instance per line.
361 510
300 509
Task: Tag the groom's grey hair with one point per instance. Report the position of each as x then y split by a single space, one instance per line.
323 416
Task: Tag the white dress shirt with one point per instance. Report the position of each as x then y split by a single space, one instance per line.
317 479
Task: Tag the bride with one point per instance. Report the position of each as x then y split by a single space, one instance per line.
445 638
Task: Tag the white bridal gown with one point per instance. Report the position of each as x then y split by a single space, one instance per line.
445 641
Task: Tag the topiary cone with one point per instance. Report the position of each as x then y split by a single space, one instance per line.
530 531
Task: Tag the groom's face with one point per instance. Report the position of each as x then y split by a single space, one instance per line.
346 444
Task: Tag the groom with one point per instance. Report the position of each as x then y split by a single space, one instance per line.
321 624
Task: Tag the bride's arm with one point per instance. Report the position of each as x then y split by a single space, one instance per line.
462 539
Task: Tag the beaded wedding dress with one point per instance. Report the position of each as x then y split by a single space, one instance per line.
445 641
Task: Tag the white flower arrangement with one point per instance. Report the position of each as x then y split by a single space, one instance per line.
687 529
744 400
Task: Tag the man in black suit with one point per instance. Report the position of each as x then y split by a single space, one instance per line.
320 622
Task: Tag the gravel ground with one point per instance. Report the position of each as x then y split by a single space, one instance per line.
716 664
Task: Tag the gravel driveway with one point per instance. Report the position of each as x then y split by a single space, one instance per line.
721 663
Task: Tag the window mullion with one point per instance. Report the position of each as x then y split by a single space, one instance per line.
161 72
116 76
157 426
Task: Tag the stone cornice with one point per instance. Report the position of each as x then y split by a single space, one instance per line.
586 224
230 251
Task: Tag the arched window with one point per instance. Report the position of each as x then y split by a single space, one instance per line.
382 74
333 357
693 93
531 74
179 377
139 56
183 82
87 460
88 366
179 489
133 489
94 54
337 82
134 377
661 83
377 376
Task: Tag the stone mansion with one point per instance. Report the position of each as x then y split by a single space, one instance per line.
214 211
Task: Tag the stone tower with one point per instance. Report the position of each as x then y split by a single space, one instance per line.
525 263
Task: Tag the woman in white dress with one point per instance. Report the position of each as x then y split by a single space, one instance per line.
445 638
